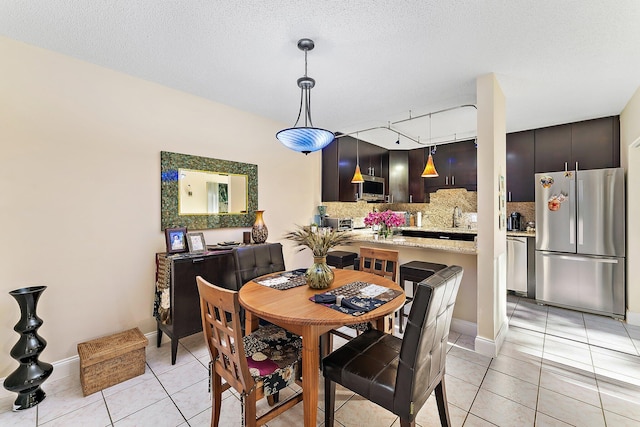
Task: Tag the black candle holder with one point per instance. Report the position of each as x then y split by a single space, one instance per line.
31 373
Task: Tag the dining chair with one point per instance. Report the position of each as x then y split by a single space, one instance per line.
399 374
254 261
382 262
257 260
257 365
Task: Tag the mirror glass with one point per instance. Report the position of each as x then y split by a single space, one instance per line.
201 192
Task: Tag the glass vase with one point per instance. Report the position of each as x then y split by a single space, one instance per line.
259 231
31 373
319 275
385 231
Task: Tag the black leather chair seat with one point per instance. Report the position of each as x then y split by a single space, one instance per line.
367 366
341 259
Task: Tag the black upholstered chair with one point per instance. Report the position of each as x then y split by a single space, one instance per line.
400 374
256 260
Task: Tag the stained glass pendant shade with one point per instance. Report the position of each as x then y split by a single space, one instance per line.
305 138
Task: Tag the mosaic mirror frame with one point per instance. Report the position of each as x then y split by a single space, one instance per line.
171 163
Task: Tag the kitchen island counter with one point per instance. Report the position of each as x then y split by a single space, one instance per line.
457 246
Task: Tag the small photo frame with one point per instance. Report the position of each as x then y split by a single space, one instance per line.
195 242
176 239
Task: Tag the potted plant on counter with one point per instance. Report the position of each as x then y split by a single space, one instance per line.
319 275
385 221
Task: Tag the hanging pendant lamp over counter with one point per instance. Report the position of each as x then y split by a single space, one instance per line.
429 169
305 138
357 175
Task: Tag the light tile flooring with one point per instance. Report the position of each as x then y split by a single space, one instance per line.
556 368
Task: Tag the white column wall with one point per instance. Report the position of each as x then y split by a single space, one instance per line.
492 321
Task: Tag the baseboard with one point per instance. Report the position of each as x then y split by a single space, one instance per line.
491 348
67 367
464 327
633 318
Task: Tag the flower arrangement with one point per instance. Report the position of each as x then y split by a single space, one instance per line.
386 220
320 240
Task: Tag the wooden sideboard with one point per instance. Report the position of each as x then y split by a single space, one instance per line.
179 272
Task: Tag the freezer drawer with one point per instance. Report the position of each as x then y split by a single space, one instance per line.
585 283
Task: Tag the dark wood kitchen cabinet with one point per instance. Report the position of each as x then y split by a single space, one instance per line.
520 166
593 144
417 162
179 272
457 166
339 164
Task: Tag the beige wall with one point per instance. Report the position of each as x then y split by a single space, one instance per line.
630 159
80 189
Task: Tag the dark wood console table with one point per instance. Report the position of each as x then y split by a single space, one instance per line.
177 273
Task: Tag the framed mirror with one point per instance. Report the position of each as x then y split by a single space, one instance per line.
202 193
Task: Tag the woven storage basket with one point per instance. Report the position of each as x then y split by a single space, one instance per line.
112 359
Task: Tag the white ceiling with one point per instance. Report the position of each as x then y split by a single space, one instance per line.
375 61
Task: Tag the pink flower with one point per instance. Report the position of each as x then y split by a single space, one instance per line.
387 218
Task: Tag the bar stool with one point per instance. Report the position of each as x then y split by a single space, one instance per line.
340 259
415 272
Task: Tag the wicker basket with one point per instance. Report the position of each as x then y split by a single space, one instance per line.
112 359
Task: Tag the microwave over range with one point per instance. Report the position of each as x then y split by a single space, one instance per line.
372 189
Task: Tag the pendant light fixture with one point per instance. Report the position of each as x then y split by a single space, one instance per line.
430 169
357 176
305 138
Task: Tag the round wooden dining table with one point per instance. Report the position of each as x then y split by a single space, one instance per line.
292 310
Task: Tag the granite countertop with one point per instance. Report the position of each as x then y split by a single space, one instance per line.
462 247
461 230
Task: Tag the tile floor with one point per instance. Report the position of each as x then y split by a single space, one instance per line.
556 368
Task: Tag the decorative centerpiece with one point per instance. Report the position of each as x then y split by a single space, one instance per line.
385 221
319 275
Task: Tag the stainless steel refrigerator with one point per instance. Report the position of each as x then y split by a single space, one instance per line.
580 240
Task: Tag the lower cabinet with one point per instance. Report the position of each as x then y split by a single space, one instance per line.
521 271
183 318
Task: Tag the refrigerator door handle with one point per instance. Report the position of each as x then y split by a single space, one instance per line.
572 219
580 219
581 258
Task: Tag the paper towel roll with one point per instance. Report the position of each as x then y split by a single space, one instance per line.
419 219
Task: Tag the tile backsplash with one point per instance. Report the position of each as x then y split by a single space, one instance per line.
438 213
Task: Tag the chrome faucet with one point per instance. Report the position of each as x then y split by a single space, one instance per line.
457 214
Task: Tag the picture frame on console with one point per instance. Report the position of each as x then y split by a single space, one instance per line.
176 239
196 243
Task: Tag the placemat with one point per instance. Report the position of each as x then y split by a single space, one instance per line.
285 280
358 298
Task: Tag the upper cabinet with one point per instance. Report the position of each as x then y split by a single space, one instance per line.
520 166
457 166
417 162
339 164
592 144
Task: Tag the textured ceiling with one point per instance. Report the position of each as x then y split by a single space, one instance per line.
375 60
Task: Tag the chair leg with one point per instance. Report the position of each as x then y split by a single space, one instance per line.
443 407
216 399
249 409
407 423
272 399
329 402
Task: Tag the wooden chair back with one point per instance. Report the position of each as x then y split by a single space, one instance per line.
220 311
382 262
